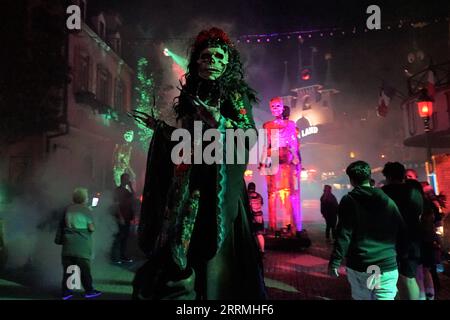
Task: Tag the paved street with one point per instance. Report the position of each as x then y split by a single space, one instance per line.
299 275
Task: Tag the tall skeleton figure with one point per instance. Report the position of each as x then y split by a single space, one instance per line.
122 158
195 224
283 181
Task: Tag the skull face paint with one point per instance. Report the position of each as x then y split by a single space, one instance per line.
277 107
128 136
212 63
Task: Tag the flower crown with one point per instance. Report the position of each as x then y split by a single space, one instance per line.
214 35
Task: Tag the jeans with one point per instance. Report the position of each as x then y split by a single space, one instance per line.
387 285
85 272
119 247
331 226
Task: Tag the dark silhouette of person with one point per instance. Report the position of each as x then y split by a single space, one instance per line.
409 201
256 202
124 214
329 210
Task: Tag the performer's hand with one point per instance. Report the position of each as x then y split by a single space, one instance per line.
333 272
143 118
213 111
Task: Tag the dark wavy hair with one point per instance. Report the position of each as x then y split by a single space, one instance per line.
232 81
394 171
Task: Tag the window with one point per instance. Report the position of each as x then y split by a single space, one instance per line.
103 85
119 95
84 74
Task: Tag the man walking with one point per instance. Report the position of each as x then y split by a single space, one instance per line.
409 200
124 214
369 229
256 203
328 208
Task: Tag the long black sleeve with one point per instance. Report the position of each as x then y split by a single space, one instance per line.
346 215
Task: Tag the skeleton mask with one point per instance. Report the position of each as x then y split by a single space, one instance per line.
212 63
128 136
276 107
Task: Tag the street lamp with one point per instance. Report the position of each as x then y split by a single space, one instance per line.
425 107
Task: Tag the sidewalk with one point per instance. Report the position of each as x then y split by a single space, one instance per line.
302 275
288 276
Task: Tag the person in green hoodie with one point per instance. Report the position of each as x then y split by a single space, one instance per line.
370 232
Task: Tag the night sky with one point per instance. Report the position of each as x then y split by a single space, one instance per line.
360 62
170 17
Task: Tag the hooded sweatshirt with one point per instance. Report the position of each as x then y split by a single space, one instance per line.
409 201
369 232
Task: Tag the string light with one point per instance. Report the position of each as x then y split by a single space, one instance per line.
323 32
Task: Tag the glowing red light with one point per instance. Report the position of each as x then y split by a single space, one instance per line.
425 108
306 74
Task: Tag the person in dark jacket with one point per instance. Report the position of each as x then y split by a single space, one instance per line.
369 230
409 200
329 208
256 203
124 215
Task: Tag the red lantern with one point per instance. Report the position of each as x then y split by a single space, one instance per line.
425 108
306 74
425 105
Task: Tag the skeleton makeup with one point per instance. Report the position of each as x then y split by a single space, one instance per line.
128 136
277 107
212 63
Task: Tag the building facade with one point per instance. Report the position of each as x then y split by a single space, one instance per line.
91 113
437 141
